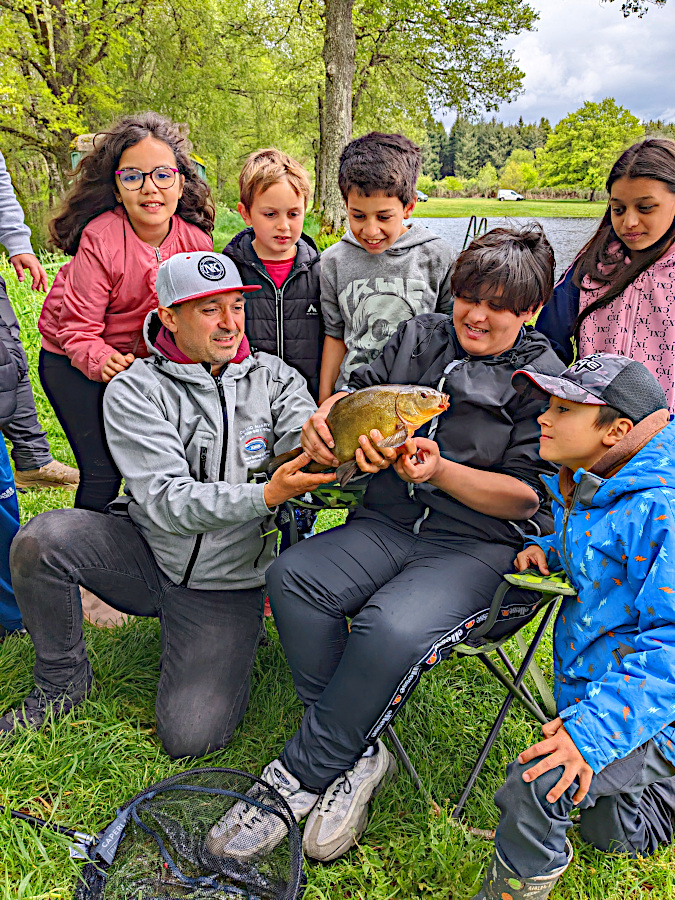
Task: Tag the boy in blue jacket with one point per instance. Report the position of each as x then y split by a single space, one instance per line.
611 750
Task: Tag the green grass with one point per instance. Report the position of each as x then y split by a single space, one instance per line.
79 770
439 207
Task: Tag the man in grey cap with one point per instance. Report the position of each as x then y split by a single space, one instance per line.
191 539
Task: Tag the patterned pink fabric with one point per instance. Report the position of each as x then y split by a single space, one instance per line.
639 323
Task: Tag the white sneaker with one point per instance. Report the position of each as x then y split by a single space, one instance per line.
337 822
246 830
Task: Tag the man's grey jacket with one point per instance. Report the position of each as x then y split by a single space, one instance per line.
188 494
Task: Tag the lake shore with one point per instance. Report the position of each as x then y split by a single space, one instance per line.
459 207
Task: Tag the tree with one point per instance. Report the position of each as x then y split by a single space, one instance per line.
628 7
412 57
486 180
582 148
52 73
519 173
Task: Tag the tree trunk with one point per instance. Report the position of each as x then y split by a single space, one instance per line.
339 51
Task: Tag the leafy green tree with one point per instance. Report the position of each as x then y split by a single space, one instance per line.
583 146
519 173
486 180
52 78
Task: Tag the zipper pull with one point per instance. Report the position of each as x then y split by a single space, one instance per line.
158 254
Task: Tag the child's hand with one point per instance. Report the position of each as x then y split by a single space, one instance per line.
371 458
114 364
532 557
419 462
562 751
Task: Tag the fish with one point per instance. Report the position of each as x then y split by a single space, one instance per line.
395 410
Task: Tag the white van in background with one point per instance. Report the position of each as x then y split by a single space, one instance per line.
508 194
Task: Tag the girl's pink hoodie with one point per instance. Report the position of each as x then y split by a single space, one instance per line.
99 300
639 323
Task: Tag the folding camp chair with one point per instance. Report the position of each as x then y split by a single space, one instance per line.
478 642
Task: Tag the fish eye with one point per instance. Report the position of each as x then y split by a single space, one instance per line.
424 395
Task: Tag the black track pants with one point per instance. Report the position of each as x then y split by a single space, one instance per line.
411 598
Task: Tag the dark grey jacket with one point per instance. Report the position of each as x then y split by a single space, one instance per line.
285 321
488 426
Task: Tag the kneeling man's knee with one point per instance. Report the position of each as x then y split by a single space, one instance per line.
517 792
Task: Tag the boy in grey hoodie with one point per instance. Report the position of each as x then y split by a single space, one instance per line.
383 271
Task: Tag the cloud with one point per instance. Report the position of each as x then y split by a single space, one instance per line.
586 50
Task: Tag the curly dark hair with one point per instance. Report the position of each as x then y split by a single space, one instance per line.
93 189
653 158
517 260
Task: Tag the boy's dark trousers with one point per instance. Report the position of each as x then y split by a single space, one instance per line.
209 638
630 808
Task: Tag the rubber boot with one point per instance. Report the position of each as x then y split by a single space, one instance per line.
502 883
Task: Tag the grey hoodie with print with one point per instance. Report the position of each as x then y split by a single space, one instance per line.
365 296
187 494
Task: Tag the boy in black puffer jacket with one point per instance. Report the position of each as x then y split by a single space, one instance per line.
284 316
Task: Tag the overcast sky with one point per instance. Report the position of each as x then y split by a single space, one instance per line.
586 50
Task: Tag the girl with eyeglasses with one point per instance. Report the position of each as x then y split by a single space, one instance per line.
136 199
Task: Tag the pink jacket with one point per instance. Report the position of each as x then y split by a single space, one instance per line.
639 323
99 299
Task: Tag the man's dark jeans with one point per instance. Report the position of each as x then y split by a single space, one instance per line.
209 638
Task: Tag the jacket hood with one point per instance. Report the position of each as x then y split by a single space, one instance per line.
240 249
415 235
652 467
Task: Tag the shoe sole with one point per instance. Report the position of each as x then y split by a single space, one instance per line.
44 485
324 854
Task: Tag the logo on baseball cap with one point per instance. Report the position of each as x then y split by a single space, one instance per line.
602 379
189 276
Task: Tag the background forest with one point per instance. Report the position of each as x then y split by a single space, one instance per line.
301 74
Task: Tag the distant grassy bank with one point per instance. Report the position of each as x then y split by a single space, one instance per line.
461 207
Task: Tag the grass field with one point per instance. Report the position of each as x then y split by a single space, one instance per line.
537 209
79 770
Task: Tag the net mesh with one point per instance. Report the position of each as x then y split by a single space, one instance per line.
163 852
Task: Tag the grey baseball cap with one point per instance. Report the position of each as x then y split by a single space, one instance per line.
200 273
602 379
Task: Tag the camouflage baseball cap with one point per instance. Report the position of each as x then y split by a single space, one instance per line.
602 379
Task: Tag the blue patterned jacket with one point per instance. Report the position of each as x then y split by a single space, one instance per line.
614 644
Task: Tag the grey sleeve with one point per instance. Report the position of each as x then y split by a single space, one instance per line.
333 321
14 233
149 453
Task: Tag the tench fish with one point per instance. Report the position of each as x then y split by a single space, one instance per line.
395 410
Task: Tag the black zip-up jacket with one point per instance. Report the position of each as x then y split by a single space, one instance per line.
488 426
285 321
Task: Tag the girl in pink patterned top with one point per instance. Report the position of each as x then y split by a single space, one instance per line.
619 294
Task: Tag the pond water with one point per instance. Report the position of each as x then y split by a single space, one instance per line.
567 236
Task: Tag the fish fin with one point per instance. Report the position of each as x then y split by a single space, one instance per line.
395 440
346 472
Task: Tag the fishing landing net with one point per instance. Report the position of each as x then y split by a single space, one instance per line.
157 848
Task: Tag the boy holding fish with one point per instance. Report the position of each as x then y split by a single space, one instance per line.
416 567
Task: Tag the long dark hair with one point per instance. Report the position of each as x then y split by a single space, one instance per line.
653 158
93 190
